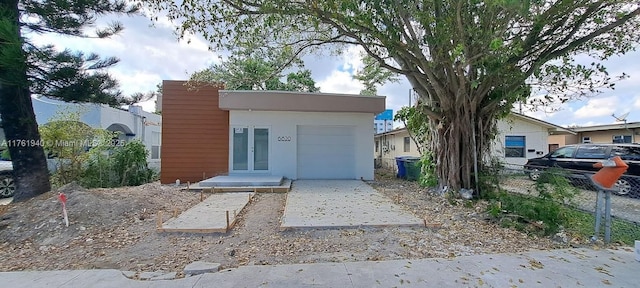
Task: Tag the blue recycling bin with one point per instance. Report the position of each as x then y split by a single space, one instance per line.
402 172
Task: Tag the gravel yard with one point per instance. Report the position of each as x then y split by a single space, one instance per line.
115 228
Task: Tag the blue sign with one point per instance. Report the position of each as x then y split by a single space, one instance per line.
386 115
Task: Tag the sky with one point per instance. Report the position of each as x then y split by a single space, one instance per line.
151 52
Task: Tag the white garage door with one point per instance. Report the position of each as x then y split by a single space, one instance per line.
326 152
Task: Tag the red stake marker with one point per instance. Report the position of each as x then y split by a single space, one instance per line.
63 199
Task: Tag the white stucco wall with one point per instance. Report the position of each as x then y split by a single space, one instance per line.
102 116
536 139
283 156
46 109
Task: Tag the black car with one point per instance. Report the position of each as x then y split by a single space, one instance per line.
579 159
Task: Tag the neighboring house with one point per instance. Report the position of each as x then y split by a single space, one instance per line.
612 133
521 137
392 144
133 123
209 132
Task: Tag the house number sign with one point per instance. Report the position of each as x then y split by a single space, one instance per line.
284 138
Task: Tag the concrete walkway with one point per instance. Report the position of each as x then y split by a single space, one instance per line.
555 268
341 204
210 215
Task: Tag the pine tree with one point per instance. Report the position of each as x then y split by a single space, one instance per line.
25 68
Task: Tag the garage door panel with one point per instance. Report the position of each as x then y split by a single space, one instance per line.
325 130
325 140
326 152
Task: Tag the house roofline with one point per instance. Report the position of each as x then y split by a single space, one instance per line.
392 132
631 125
299 101
553 128
557 130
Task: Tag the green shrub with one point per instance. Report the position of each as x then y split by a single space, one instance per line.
489 177
67 138
428 176
5 154
543 213
115 166
536 215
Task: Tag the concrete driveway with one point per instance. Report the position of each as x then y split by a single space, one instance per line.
341 204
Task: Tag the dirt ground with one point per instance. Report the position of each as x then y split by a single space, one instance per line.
115 228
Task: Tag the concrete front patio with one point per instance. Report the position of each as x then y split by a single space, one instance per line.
341 204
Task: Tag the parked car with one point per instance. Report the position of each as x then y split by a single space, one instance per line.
7 186
579 160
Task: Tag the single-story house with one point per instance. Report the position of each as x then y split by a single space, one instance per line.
520 137
133 123
392 144
610 133
209 131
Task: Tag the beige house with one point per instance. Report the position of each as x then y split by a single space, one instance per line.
519 138
612 133
392 144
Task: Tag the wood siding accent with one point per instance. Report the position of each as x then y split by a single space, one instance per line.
195 133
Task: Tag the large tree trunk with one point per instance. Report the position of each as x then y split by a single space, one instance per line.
460 140
18 119
31 175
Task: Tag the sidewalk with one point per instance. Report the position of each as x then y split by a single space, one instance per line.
556 268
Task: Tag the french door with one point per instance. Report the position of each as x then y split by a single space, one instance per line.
249 149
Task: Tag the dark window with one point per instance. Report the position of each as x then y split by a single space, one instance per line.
377 145
407 144
564 152
626 153
514 146
592 152
621 138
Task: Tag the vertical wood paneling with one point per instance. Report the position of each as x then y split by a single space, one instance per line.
195 133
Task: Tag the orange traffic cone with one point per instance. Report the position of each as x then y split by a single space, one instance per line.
610 172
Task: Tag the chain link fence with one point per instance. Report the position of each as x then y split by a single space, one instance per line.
625 201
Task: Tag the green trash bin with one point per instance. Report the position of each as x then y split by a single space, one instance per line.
412 167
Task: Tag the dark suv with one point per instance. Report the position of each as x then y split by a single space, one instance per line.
580 158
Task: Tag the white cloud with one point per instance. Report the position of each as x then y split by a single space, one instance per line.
598 107
190 41
147 54
352 57
137 80
340 82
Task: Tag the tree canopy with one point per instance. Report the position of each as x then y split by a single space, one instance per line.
373 75
258 70
468 60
